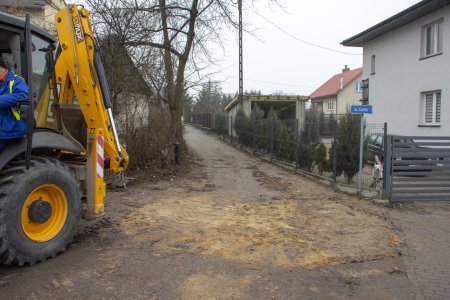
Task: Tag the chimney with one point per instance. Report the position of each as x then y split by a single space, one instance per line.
345 69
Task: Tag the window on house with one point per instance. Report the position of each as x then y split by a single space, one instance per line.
365 91
432 36
372 65
431 108
358 87
330 105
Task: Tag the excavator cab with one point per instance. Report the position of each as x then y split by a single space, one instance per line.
55 174
13 49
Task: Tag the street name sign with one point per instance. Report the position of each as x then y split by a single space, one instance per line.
361 109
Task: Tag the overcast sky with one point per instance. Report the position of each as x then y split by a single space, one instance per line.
277 60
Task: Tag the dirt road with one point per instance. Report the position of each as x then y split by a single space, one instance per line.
234 227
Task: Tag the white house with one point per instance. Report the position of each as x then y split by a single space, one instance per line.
407 63
338 93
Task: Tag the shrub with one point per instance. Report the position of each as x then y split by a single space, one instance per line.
322 124
329 126
261 130
348 140
285 147
220 123
147 138
309 140
243 127
321 158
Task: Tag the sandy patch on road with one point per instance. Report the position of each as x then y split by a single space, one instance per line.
213 286
283 232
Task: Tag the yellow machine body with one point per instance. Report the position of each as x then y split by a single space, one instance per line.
79 84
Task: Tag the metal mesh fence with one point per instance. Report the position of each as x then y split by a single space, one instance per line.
201 119
328 147
217 122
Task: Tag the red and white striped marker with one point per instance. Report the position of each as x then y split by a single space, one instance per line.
100 156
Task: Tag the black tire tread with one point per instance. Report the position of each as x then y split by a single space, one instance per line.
8 178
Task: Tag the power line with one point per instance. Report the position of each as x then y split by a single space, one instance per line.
272 82
300 40
279 83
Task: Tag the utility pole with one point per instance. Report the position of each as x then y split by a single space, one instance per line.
241 79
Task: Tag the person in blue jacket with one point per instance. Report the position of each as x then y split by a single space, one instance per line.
12 89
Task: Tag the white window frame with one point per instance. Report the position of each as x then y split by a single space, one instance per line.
436 108
436 38
330 105
358 87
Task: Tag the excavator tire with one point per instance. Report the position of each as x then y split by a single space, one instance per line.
39 210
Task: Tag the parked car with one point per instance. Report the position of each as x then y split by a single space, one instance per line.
376 147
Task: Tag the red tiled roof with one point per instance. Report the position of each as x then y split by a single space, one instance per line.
333 85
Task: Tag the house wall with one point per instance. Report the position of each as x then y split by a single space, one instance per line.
325 105
231 116
346 97
247 107
401 76
300 113
42 17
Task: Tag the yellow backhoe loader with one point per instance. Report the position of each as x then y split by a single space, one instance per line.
55 174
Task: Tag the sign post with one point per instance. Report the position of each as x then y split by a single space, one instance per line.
361 110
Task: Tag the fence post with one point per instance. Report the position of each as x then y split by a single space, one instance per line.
388 172
334 145
296 144
254 135
385 137
272 125
361 142
224 135
240 137
231 129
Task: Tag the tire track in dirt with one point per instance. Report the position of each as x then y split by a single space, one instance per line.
233 227
288 221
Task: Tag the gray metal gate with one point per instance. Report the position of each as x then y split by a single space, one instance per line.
417 168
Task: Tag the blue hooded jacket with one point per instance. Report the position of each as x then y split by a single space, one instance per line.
10 127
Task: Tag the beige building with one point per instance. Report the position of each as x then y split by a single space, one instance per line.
287 107
42 12
338 93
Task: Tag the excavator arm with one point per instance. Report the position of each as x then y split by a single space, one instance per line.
81 81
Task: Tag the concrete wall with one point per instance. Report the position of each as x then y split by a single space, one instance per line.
231 115
401 76
300 113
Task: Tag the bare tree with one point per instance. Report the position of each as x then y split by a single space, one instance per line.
169 40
